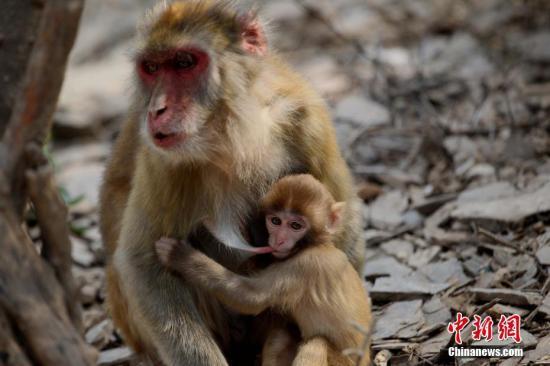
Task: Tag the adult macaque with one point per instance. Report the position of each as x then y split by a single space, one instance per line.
311 281
217 118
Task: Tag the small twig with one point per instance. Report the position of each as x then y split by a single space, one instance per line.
398 233
486 307
499 240
411 157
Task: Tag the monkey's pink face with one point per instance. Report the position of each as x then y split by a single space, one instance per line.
174 80
285 230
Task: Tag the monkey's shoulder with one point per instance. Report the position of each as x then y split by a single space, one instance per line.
323 259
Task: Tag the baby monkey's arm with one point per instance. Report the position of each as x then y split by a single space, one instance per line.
247 295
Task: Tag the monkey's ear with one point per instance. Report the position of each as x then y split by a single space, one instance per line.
253 38
336 213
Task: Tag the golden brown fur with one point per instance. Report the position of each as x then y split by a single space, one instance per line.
262 122
316 287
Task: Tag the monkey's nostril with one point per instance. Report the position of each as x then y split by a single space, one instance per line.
161 111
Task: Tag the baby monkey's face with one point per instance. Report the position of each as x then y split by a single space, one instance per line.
285 230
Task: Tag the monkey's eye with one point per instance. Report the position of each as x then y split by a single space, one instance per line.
296 225
184 60
276 221
149 67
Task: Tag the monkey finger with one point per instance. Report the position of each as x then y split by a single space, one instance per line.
164 249
169 240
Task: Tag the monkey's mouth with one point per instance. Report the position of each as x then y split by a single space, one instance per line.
167 140
281 253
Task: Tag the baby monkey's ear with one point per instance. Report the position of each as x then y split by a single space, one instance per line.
335 219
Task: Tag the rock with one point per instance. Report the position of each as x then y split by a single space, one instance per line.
436 312
460 55
480 170
488 192
283 11
325 75
506 296
355 21
491 18
433 231
386 211
390 176
404 288
545 306
500 309
100 334
79 153
512 361
80 252
93 234
476 264
115 356
400 59
422 257
400 249
88 294
412 219
543 255
362 111
93 93
385 266
512 209
434 345
345 132
461 148
392 323
83 181
92 316
104 24
540 355
449 271
527 340
534 46
522 264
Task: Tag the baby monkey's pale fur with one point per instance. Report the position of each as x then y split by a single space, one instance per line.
316 286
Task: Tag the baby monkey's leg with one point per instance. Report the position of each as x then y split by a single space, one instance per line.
313 352
279 348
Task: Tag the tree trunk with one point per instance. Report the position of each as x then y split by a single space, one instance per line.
39 311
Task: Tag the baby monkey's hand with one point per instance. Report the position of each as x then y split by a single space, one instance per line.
172 251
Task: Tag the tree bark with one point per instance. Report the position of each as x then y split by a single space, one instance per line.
39 313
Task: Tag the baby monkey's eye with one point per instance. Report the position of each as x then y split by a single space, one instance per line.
276 221
296 225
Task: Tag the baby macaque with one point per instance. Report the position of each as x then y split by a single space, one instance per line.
309 280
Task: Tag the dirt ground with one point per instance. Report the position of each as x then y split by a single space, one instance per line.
442 112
